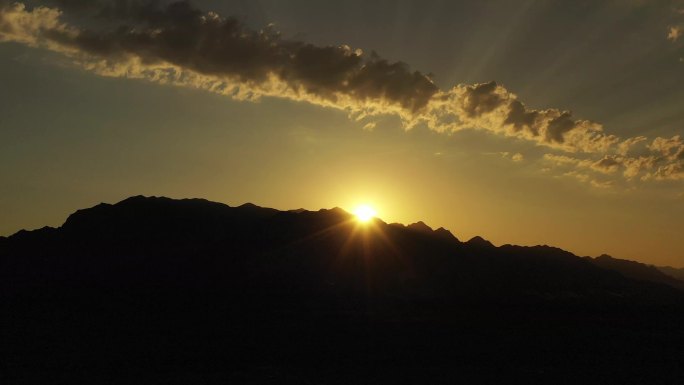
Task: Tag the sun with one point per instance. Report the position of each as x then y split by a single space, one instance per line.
364 213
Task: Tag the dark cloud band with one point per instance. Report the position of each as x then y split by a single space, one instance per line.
179 44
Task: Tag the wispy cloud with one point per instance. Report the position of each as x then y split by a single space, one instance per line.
675 29
674 33
661 159
515 157
179 44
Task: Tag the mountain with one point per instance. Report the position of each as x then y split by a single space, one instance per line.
479 242
672 272
153 290
638 271
421 227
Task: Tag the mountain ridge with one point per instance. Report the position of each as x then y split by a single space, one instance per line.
156 218
419 226
164 287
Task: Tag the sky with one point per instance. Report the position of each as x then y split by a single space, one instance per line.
525 122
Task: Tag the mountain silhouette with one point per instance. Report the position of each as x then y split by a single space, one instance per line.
159 285
479 242
672 272
639 271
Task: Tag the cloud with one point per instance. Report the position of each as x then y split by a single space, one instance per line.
607 165
601 184
633 167
670 171
578 175
628 144
181 45
586 178
672 148
40 27
517 157
675 30
491 107
669 165
178 44
674 33
564 160
370 126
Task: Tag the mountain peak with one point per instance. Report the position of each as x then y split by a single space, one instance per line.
636 270
444 233
336 210
139 197
479 242
248 205
421 227
195 263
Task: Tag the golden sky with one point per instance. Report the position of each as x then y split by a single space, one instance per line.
453 113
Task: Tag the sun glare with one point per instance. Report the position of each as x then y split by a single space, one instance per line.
364 213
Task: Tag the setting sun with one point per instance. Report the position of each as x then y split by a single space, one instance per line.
364 213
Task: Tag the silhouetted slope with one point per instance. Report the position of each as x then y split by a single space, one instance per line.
420 227
197 242
445 234
672 272
636 270
480 243
168 239
157 287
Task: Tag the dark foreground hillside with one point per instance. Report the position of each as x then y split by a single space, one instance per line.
161 291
